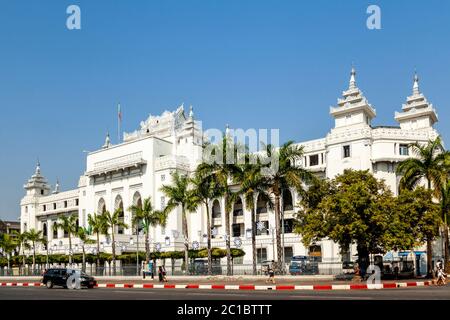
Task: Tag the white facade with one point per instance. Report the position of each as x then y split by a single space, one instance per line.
123 174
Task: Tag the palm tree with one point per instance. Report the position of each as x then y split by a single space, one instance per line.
98 226
445 213
224 172
428 163
205 189
284 176
112 221
149 218
179 194
22 241
7 244
253 184
83 234
34 237
69 225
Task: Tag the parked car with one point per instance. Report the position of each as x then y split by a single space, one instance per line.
303 265
59 276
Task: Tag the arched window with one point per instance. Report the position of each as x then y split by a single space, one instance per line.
237 208
261 205
216 210
137 201
44 230
55 231
77 223
287 200
118 204
101 207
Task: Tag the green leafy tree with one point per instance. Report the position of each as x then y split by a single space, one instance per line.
286 174
352 208
69 225
98 226
112 221
253 184
414 220
84 236
149 218
427 163
35 237
22 241
205 189
222 162
180 195
444 195
7 244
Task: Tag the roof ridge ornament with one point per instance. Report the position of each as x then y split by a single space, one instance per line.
107 142
416 90
352 83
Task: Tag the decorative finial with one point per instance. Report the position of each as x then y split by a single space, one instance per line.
416 84
191 112
107 142
56 187
352 84
38 167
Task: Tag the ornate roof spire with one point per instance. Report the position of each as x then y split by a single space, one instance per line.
191 112
38 168
416 84
227 130
352 84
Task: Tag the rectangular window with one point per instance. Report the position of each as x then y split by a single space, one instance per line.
65 204
237 228
76 202
163 177
288 225
346 151
163 203
314 160
261 254
54 206
403 150
321 158
44 207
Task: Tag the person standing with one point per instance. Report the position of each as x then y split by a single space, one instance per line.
150 269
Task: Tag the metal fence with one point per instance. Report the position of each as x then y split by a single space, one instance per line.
319 268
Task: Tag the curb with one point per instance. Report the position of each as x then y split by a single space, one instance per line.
242 287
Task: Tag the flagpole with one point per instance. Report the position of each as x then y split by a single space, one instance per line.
119 116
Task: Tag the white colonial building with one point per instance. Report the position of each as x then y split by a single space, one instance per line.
124 174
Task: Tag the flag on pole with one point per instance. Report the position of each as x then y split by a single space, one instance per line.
119 112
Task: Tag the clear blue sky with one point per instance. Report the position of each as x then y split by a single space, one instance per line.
252 64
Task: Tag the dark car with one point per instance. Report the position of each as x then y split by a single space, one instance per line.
59 277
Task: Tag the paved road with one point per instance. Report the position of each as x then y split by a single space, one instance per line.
30 293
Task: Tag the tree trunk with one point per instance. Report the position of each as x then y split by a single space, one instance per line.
22 248
429 259
228 238
363 259
253 218
147 247
208 226
429 247
113 252
70 250
186 239
98 253
446 251
84 260
279 263
34 257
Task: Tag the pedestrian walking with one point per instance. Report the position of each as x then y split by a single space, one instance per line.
271 274
160 274
164 273
150 269
441 275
